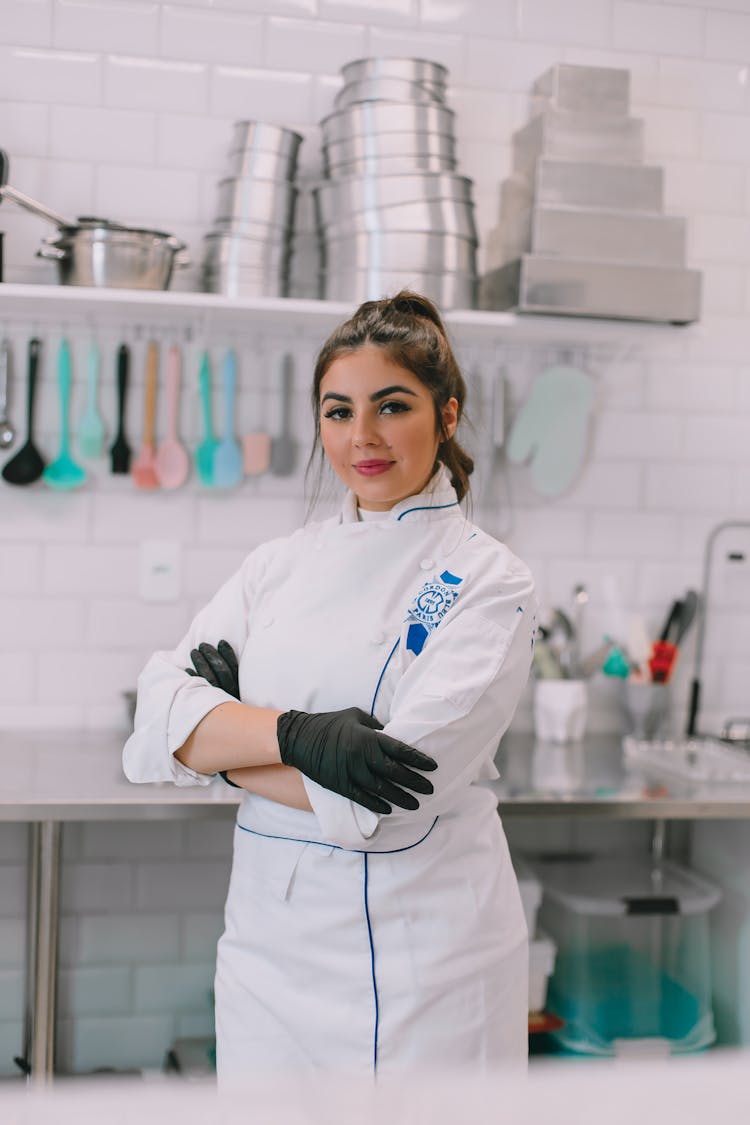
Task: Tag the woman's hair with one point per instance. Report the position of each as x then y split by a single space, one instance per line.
409 329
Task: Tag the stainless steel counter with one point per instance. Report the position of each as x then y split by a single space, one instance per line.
590 779
77 775
49 778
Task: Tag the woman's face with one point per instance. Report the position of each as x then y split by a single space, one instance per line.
377 427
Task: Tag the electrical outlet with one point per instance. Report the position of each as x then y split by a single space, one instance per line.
160 570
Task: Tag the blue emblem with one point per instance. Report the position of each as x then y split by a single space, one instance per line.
429 607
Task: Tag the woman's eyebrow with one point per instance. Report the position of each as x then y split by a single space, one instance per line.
373 397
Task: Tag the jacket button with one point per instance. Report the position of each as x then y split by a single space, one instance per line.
427 563
267 621
378 637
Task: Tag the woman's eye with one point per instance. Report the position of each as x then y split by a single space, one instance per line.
394 406
338 412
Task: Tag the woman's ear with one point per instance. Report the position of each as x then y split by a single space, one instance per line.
449 415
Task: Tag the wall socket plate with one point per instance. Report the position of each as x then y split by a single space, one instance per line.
160 570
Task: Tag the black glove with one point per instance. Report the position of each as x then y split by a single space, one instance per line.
345 752
219 667
216 665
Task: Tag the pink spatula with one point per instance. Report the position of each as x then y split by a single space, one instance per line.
144 466
172 461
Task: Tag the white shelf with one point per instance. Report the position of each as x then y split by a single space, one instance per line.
205 312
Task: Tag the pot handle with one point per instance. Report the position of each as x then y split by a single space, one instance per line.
51 253
181 254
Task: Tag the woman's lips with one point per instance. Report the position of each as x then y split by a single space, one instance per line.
372 468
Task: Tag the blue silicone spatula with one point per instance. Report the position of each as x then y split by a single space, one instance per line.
206 450
64 473
228 470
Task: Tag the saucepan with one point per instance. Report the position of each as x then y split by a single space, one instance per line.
97 252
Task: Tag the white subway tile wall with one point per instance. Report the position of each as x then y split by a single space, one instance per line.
125 109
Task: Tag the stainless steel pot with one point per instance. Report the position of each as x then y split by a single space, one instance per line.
98 253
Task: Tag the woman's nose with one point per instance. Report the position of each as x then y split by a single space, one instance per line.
365 432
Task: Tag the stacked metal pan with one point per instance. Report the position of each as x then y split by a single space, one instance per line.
582 228
392 212
248 250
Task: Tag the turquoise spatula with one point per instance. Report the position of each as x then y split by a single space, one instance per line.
64 472
206 451
228 469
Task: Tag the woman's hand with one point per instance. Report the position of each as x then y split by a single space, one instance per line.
216 665
346 752
219 667
343 751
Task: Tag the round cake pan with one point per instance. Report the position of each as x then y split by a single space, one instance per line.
256 163
394 165
389 90
438 216
447 290
401 250
257 200
366 118
411 70
235 250
347 195
249 228
269 138
377 145
245 284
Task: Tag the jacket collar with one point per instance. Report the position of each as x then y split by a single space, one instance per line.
437 501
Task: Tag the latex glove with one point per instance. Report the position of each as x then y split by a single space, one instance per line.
218 666
345 752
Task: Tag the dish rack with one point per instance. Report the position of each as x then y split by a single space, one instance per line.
703 761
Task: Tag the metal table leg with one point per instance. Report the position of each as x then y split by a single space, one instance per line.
41 965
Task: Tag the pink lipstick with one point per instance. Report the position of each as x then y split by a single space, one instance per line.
372 468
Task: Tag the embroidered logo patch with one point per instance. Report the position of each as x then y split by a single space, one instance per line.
429 607
432 602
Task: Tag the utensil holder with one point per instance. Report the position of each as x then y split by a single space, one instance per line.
560 710
645 709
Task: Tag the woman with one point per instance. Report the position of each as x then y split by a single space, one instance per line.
373 918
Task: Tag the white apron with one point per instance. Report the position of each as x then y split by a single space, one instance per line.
356 942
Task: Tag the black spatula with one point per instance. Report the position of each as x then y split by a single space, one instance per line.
120 452
28 464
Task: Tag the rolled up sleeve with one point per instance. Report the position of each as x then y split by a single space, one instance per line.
170 702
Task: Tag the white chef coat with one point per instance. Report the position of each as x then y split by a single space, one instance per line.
355 940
